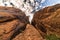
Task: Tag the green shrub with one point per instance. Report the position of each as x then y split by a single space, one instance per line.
52 37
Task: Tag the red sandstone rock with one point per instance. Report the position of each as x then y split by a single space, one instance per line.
11 19
30 33
47 20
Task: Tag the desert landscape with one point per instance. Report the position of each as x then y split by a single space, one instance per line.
15 25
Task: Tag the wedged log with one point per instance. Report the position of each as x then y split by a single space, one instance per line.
11 20
48 20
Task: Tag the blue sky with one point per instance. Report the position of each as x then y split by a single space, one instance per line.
50 2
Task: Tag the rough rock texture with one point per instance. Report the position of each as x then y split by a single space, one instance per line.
30 33
47 20
14 24
11 20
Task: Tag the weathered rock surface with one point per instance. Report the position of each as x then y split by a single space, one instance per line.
11 20
48 20
30 33
14 24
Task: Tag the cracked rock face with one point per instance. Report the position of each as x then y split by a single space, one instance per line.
11 19
48 20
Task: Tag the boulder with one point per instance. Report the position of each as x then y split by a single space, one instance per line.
30 33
